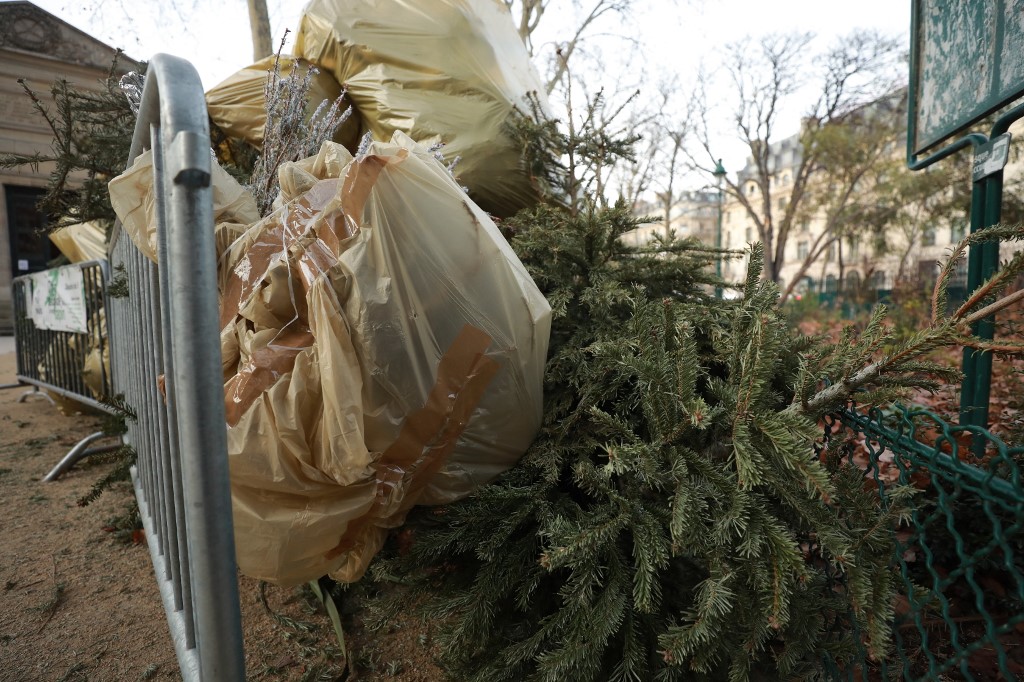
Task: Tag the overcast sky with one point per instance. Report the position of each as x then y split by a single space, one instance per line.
670 38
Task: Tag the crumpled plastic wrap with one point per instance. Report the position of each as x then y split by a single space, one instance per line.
448 71
81 242
131 195
239 107
382 346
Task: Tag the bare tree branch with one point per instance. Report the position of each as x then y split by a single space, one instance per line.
566 49
766 73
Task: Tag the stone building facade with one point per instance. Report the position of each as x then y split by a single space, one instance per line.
39 48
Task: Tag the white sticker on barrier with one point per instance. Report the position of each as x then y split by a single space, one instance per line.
58 300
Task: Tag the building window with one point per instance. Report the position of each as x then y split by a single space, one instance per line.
785 178
928 237
805 226
782 203
957 231
750 234
831 251
30 249
854 247
750 188
802 249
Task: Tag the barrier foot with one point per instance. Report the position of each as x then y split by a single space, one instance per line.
36 392
79 452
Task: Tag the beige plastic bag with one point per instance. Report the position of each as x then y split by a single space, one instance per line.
96 367
81 242
131 195
451 70
239 107
383 347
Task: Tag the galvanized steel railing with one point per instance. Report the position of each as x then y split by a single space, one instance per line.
166 363
54 359
54 356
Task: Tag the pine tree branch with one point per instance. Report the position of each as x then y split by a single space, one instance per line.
993 308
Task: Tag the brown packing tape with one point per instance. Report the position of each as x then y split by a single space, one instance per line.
288 227
292 220
317 257
359 182
424 443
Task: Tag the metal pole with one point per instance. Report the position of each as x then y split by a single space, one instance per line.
719 174
197 374
974 279
987 327
983 261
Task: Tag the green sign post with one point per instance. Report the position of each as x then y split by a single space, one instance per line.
967 62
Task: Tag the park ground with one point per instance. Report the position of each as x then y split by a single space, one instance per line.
78 597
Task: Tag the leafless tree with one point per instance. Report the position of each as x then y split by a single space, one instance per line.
854 155
660 124
181 12
766 74
527 15
259 24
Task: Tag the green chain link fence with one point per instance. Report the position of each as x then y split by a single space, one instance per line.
961 556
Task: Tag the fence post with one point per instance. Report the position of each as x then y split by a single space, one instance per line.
165 344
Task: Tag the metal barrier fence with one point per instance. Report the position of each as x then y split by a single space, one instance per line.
165 355
961 556
52 354
60 336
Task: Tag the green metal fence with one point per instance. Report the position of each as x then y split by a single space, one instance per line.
961 556
854 303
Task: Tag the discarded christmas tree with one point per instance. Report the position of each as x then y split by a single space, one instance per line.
672 520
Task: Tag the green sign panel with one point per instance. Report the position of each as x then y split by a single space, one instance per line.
966 61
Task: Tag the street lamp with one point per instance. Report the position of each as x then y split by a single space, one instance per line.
719 174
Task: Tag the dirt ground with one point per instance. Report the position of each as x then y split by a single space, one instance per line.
79 601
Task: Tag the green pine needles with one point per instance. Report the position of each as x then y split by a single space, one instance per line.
673 520
91 130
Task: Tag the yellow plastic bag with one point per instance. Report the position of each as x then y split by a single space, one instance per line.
239 107
131 195
81 242
96 367
450 71
383 347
